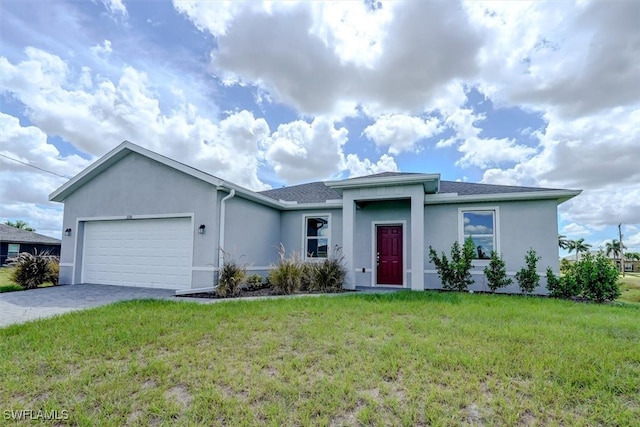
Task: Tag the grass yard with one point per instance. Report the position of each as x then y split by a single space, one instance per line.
8 285
630 287
396 359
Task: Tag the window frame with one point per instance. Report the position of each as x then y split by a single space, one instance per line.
305 237
10 252
496 228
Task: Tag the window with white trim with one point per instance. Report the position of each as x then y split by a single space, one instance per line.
316 244
13 250
480 225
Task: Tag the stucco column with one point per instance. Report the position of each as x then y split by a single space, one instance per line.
417 248
348 219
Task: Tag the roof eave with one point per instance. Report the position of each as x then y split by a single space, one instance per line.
431 182
114 156
560 196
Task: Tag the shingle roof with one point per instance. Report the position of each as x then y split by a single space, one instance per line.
318 192
16 235
313 192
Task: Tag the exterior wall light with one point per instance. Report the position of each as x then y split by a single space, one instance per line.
201 229
67 232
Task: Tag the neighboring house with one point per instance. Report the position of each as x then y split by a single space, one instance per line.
15 240
141 219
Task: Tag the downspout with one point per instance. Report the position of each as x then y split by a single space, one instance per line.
223 211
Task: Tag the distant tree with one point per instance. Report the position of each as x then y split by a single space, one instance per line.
20 224
614 247
563 242
633 256
578 246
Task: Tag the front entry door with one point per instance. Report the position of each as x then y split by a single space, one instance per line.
389 255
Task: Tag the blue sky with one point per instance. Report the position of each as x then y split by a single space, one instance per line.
265 95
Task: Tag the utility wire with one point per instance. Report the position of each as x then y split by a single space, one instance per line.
35 167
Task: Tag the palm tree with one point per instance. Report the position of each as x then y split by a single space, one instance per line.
578 246
563 242
20 224
614 247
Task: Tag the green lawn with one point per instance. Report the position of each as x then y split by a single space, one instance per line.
8 285
630 287
398 359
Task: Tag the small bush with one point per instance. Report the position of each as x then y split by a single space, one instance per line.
254 282
286 277
594 278
455 274
328 275
496 273
54 270
528 277
598 278
31 270
306 281
562 287
230 278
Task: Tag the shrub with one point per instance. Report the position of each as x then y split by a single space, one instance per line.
328 275
528 277
230 277
565 265
593 278
562 287
31 270
254 282
496 273
598 278
455 274
54 270
286 277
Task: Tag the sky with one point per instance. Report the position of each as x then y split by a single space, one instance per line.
279 93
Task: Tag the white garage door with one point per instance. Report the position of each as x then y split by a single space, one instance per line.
141 252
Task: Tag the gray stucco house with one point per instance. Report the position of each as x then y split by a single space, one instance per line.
14 241
137 218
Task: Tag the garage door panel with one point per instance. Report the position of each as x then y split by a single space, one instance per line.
149 253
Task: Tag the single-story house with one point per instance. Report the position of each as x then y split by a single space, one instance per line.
137 218
16 240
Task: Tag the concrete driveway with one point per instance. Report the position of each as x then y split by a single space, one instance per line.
18 307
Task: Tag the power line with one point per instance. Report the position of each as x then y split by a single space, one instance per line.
35 167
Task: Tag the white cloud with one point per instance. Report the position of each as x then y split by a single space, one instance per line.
299 151
96 119
116 9
401 133
357 167
24 190
477 229
311 56
102 50
574 230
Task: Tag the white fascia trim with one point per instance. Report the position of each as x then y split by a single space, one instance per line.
115 155
383 181
303 206
560 195
121 217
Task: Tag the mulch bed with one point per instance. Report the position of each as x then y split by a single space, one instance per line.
262 292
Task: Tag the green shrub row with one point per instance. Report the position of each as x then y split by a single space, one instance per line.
593 278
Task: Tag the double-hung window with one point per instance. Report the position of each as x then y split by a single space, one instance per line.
316 241
481 225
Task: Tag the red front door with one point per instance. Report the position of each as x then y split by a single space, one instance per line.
389 247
